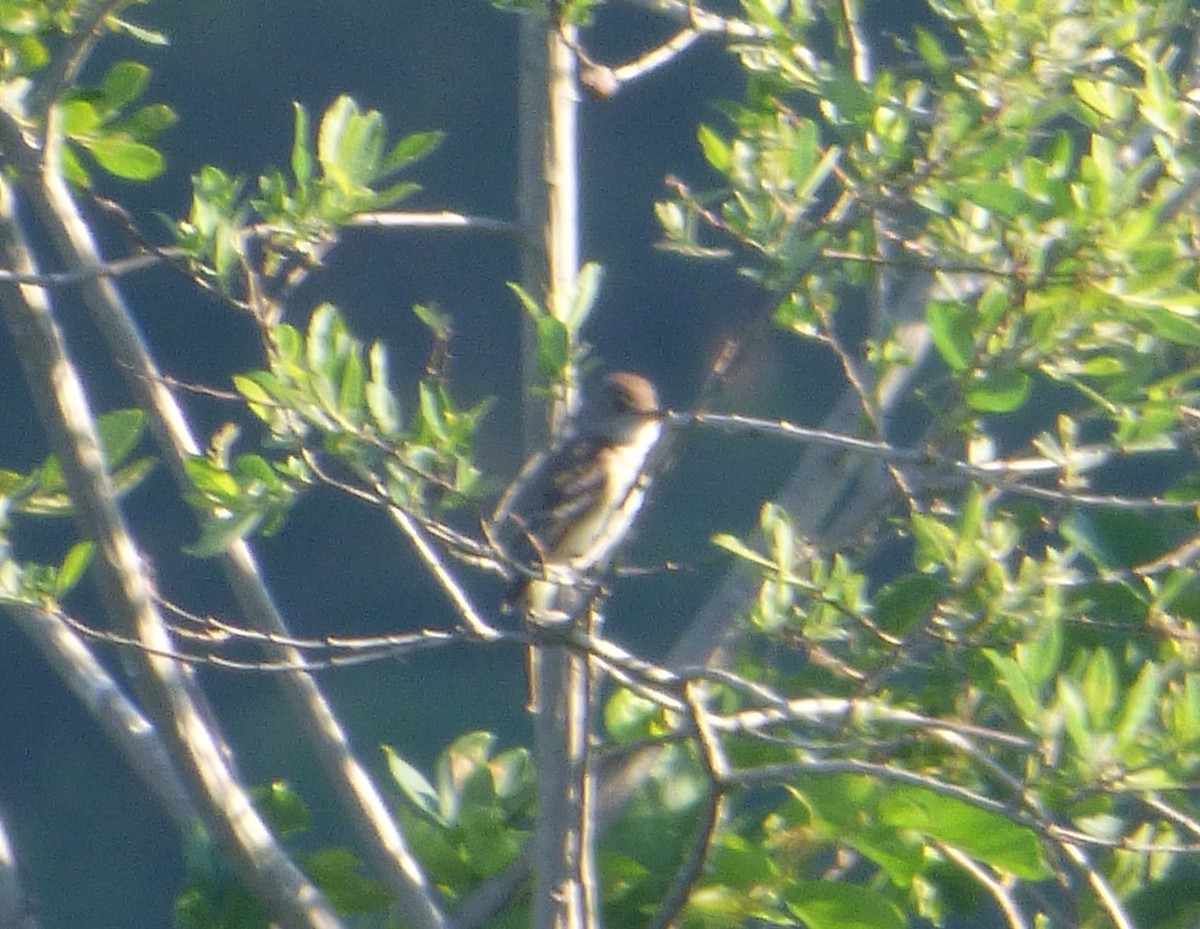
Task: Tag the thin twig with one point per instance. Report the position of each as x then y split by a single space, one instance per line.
717 766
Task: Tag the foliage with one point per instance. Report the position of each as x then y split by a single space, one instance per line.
295 221
985 699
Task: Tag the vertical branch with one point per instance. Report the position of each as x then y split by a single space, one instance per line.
565 886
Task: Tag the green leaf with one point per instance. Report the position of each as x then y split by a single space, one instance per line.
631 718
1018 685
218 534
80 118
1001 198
412 782
381 402
147 121
412 148
339 875
737 547
716 150
211 480
905 602
302 162
351 389
983 835
583 297
553 346
73 567
120 431
432 414
1039 658
1139 706
123 157
131 475
283 808
1100 687
1001 391
950 325
141 33
124 83
734 861
1115 538
829 905
531 306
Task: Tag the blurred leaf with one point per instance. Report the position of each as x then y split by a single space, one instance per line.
339 875
905 602
122 156
73 567
950 324
283 808
412 783
828 905
1004 390
988 837
124 83
410 149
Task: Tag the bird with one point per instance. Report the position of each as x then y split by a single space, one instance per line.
583 502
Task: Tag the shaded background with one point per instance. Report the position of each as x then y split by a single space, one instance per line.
95 853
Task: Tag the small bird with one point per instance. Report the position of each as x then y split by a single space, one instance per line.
584 500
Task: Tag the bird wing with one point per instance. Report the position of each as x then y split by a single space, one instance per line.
575 479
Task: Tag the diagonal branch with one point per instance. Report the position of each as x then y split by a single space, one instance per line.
168 690
385 846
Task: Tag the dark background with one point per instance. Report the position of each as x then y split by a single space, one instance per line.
95 852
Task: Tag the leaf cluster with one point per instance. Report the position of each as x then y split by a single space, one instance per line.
332 416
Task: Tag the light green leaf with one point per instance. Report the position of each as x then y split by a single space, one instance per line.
302 162
73 567
411 148
950 325
830 905
1001 391
382 403
122 156
983 835
1139 706
716 150
412 782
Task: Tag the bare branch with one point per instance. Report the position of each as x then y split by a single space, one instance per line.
717 766
1000 893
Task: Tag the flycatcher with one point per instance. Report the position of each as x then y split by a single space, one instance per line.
586 497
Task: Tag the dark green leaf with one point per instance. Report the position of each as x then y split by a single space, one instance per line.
283 808
905 602
124 83
339 875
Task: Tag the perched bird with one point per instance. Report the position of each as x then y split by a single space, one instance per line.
583 501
